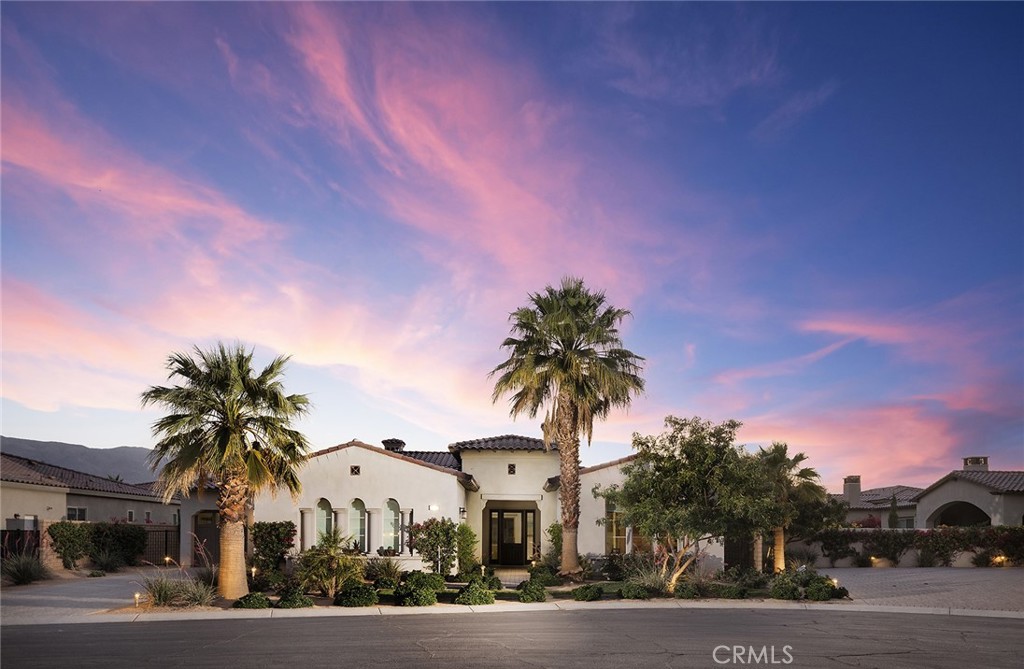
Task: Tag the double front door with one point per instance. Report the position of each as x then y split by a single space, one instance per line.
513 536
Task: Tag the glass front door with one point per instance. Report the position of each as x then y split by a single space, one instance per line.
513 536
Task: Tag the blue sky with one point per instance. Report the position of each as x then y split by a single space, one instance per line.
813 211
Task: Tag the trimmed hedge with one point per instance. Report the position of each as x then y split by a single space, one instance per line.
254 600
587 593
634 591
475 594
359 594
531 591
940 546
407 595
71 541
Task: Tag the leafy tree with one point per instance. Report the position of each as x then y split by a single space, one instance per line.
227 427
436 540
793 487
566 356
690 484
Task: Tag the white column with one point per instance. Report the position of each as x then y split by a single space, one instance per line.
307 528
404 532
374 531
341 520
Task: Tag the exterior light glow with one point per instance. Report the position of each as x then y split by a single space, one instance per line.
137 596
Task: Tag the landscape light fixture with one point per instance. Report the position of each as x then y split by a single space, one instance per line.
137 595
167 560
253 570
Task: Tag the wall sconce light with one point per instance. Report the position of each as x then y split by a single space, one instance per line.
433 507
462 512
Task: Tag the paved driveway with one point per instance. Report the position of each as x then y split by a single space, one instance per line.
938 587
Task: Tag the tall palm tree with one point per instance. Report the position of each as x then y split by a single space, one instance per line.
565 356
229 428
792 486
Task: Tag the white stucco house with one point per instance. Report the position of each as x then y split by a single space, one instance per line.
505 488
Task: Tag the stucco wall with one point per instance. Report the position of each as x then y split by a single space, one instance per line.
28 500
190 506
591 537
106 509
421 492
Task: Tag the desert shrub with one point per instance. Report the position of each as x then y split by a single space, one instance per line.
746 577
488 582
106 561
612 569
552 558
926 558
652 579
71 541
425 581
121 539
729 591
474 594
543 575
836 544
784 586
890 544
266 581
531 591
383 572
631 590
193 592
801 556
985 557
465 550
1009 541
294 599
944 544
23 568
358 594
271 541
687 590
161 590
820 590
435 540
254 600
587 593
326 567
862 559
407 595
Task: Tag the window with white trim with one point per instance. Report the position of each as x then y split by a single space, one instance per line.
131 515
76 513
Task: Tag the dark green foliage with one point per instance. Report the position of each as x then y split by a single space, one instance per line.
784 586
835 544
435 539
326 567
96 573
820 590
745 577
587 593
358 594
254 600
862 559
465 550
890 544
926 558
475 594
488 582
271 541
729 591
613 569
384 572
531 591
687 589
23 568
294 599
944 544
421 580
552 558
106 561
544 574
407 595
634 591
194 592
119 539
266 581
71 541
985 558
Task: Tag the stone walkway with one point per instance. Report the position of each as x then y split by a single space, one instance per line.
947 591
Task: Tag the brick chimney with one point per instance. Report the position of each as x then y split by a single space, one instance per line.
393 445
851 489
976 463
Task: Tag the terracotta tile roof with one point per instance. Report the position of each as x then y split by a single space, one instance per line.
996 481
506 442
876 498
408 456
439 458
554 482
23 470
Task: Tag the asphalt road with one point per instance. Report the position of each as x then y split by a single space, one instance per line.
563 639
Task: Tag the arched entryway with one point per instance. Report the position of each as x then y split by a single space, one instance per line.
959 514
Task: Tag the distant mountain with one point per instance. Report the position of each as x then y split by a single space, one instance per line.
128 462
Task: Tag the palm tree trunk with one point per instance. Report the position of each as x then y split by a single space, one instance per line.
232 500
758 552
780 549
569 489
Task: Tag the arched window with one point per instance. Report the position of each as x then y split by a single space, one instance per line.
357 523
392 533
324 518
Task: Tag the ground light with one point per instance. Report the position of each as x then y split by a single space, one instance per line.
137 595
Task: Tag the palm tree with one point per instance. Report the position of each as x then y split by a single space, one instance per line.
565 355
231 429
792 486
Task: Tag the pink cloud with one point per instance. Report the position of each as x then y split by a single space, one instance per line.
779 368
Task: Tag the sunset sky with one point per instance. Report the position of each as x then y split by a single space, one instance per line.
814 212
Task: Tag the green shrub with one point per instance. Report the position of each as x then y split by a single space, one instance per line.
254 600
270 543
1009 541
836 544
96 573
630 590
784 586
984 558
820 590
612 569
124 540
106 561
890 544
266 581
531 591
652 580
435 541
71 541
746 577
359 594
475 594
489 582
801 556
465 550
552 558
420 580
926 558
326 567
587 593
545 577
944 544
23 568
407 595
862 559
383 572
687 590
193 592
294 599
161 590
730 591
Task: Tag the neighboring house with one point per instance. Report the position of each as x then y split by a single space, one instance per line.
31 491
870 508
973 496
505 488
969 496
